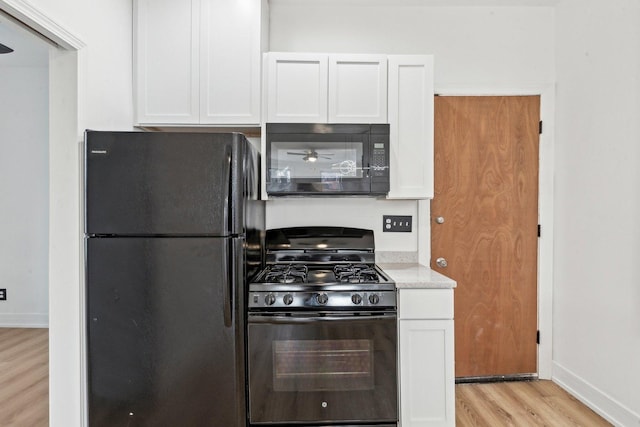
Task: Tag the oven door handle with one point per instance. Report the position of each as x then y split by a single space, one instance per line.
315 318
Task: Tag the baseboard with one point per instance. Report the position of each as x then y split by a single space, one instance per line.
24 320
603 404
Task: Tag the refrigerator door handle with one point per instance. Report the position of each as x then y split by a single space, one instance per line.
228 284
228 200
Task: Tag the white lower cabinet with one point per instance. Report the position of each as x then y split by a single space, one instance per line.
426 358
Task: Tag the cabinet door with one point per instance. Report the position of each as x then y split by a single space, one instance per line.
357 89
166 55
427 384
411 126
296 88
230 61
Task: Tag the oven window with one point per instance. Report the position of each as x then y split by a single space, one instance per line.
323 365
328 162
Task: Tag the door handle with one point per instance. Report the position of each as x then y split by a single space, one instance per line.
440 220
441 262
228 285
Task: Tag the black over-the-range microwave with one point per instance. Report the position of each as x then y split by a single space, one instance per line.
311 159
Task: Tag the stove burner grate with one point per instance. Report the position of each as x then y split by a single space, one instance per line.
356 273
287 273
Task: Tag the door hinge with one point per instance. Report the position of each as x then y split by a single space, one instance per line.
540 127
539 230
538 337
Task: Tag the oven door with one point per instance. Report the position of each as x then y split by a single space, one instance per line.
322 368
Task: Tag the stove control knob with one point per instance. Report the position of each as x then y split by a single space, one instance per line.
322 298
270 299
287 299
374 299
356 299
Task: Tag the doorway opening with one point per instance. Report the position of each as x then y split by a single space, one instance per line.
64 240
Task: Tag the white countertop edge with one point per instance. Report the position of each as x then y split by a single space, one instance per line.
416 276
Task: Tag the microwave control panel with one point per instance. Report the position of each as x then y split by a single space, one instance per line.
379 161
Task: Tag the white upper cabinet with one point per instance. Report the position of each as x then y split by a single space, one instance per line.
198 61
411 126
321 88
230 62
296 87
357 89
167 87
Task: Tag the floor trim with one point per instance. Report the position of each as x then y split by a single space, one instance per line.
603 404
24 320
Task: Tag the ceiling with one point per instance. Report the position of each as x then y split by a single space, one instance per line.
428 3
29 49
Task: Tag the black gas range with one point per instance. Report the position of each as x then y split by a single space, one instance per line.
328 268
322 332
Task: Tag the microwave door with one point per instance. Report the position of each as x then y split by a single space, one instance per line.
329 164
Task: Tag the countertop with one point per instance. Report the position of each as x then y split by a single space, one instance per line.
416 276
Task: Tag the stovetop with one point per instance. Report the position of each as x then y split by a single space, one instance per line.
322 287
321 268
321 274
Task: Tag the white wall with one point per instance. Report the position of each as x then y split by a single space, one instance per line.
597 249
478 49
347 212
105 89
91 88
24 196
473 46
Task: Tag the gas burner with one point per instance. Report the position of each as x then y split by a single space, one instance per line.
286 273
356 273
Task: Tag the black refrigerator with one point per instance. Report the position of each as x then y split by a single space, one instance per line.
173 229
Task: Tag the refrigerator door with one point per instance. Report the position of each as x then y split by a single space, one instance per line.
165 334
167 183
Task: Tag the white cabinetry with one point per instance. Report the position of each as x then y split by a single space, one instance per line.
322 88
357 89
411 126
296 87
426 348
198 61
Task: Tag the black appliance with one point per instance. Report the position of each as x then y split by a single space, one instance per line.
322 332
173 228
327 159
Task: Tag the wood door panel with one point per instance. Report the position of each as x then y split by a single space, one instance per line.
486 189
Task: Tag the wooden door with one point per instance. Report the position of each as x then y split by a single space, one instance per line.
486 190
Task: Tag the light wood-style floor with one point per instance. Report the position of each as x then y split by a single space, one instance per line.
24 377
521 404
24 393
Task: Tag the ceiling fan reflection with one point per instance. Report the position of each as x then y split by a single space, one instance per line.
311 155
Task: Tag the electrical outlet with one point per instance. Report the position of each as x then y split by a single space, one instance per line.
3 294
397 223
